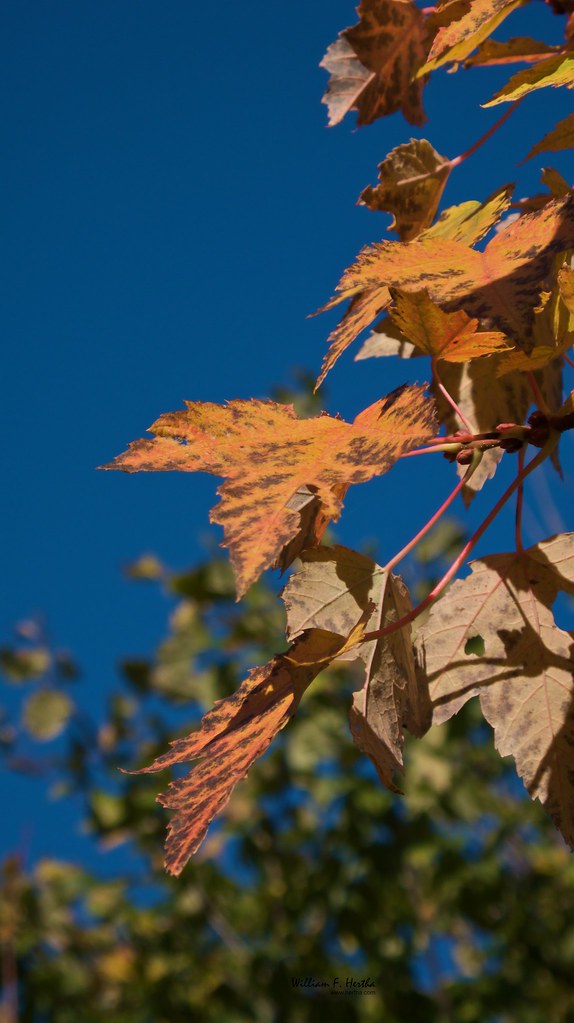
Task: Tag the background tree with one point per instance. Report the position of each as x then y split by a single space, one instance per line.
472 925
456 901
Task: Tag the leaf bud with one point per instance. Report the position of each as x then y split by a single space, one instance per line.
465 456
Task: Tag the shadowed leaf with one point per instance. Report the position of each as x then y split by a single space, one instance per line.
373 63
553 331
502 590
332 587
386 340
525 677
412 179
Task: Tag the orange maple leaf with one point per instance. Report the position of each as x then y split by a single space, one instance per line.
453 337
501 285
235 733
373 63
268 455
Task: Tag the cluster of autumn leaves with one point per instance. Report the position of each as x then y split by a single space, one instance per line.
496 322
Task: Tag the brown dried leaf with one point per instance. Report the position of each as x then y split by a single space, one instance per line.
412 179
373 63
333 586
525 677
503 589
312 525
267 455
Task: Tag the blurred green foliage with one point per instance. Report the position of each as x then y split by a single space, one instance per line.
456 901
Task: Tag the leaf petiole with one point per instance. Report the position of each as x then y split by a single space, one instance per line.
468 547
477 456
484 138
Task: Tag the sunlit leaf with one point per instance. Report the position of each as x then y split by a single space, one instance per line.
268 454
555 71
232 735
457 40
453 337
501 284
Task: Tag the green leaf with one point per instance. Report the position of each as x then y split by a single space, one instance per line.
24 665
46 713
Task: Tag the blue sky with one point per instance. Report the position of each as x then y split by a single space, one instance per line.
175 207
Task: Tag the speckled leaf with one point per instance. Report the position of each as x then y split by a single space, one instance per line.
232 735
364 307
457 40
501 285
561 137
553 330
267 454
332 587
555 71
525 678
412 179
373 63
470 221
453 337
520 49
502 590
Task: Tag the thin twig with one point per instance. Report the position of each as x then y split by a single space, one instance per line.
452 447
468 547
433 520
439 384
520 501
537 393
484 138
